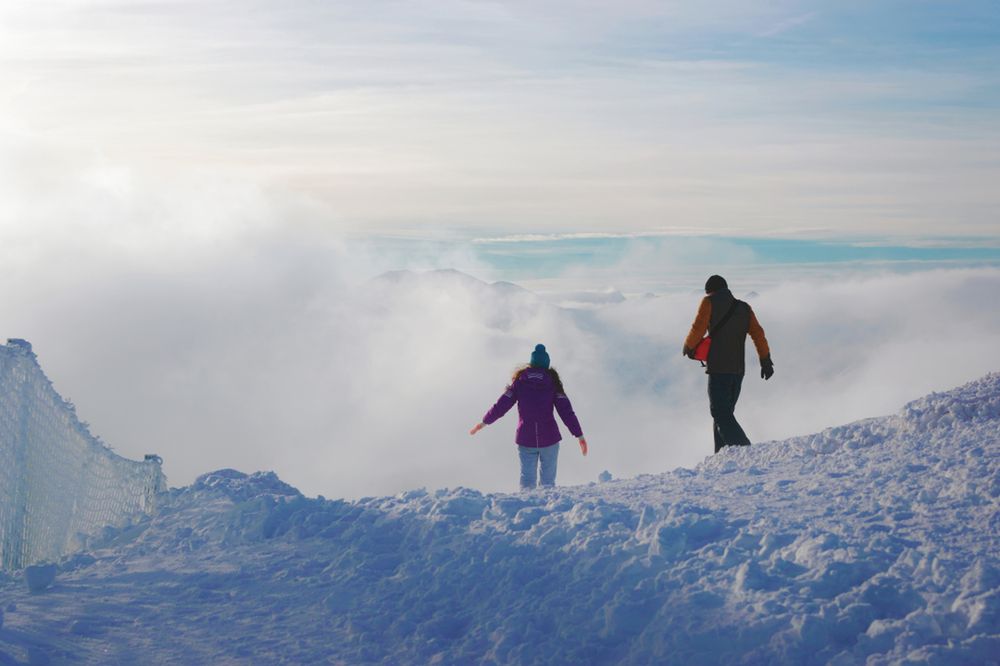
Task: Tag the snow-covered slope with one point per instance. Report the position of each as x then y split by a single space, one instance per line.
875 542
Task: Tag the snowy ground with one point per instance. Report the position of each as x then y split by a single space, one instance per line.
875 542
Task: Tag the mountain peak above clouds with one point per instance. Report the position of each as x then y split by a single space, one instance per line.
450 278
445 278
453 292
404 277
873 542
589 299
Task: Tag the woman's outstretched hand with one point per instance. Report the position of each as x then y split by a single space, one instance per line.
476 428
583 445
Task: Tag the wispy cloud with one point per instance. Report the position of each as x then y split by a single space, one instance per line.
543 238
787 24
533 118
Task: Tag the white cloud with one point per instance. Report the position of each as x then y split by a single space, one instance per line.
788 24
268 347
521 117
543 238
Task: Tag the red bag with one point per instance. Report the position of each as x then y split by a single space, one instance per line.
701 351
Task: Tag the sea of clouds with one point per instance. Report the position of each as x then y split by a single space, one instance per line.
220 326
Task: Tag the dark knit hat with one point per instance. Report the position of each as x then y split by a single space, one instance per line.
715 283
539 357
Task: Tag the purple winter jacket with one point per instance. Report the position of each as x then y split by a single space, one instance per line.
534 391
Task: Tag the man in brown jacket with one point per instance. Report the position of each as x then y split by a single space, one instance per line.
729 321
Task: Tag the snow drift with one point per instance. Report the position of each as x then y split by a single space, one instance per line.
874 542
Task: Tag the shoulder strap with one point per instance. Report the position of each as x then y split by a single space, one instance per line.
725 318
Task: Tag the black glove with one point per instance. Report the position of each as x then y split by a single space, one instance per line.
766 368
688 352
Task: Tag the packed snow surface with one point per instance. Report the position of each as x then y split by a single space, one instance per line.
874 542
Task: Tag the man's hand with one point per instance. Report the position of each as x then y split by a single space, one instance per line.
476 428
766 368
583 445
688 352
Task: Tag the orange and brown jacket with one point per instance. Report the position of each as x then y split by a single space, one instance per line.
728 351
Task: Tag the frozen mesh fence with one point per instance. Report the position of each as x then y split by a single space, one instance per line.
57 481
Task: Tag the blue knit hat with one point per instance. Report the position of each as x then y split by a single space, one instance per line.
539 357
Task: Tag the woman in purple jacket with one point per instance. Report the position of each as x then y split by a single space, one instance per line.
537 390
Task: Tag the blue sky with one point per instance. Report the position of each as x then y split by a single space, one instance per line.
829 120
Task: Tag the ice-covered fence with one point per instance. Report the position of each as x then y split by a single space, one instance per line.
56 479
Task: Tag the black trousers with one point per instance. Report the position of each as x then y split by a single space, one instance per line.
723 392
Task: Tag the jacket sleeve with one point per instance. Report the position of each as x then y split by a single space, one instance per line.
700 326
568 416
757 335
502 405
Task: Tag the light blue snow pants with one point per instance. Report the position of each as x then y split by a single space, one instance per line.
531 458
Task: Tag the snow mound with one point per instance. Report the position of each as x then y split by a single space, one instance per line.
240 487
874 542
